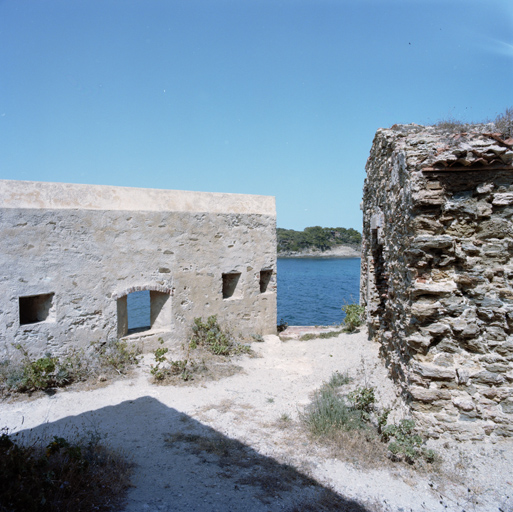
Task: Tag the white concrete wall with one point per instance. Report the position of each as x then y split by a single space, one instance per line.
91 245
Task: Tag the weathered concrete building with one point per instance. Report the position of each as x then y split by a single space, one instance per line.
71 254
437 274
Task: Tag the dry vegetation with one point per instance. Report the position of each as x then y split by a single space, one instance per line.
356 427
61 475
503 124
207 355
99 362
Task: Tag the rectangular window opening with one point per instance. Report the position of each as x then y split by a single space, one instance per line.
143 311
36 308
230 281
265 279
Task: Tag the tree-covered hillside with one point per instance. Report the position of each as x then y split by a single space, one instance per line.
316 238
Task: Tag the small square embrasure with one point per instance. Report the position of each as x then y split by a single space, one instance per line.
265 279
230 281
35 308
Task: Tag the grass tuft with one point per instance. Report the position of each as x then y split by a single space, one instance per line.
504 122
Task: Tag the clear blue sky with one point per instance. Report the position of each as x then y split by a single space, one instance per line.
274 97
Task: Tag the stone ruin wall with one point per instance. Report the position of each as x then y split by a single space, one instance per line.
437 274
72 254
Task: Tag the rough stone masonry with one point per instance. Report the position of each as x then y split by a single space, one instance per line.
437 274
71 254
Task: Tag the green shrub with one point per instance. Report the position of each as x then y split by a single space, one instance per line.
30 375
362 399
354 316
166 368
323 335
405 443
452 125
210 336
25 374
331 414
206 335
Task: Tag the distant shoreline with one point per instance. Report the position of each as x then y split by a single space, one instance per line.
340 251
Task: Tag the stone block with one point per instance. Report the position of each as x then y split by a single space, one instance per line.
503 199
454 305
463 404
427 242
436 288
498 368
425 310
428 198
505 348
433 372
438 329
445 418
462 376
495 228
504 430
497 394
418 341
429 395
467 280
487 378
507 406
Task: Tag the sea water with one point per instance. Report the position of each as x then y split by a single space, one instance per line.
311 291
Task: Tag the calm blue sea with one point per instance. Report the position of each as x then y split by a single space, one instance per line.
311 291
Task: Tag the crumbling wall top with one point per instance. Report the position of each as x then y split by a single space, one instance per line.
431 148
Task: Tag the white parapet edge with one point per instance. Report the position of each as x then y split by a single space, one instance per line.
72 196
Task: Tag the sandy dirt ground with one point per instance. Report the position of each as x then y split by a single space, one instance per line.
236 444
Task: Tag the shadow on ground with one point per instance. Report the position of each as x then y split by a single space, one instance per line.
182 465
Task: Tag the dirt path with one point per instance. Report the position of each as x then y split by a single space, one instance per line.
236 444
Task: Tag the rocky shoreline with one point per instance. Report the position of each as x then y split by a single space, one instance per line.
339 251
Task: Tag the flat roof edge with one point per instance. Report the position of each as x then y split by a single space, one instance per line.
72 196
